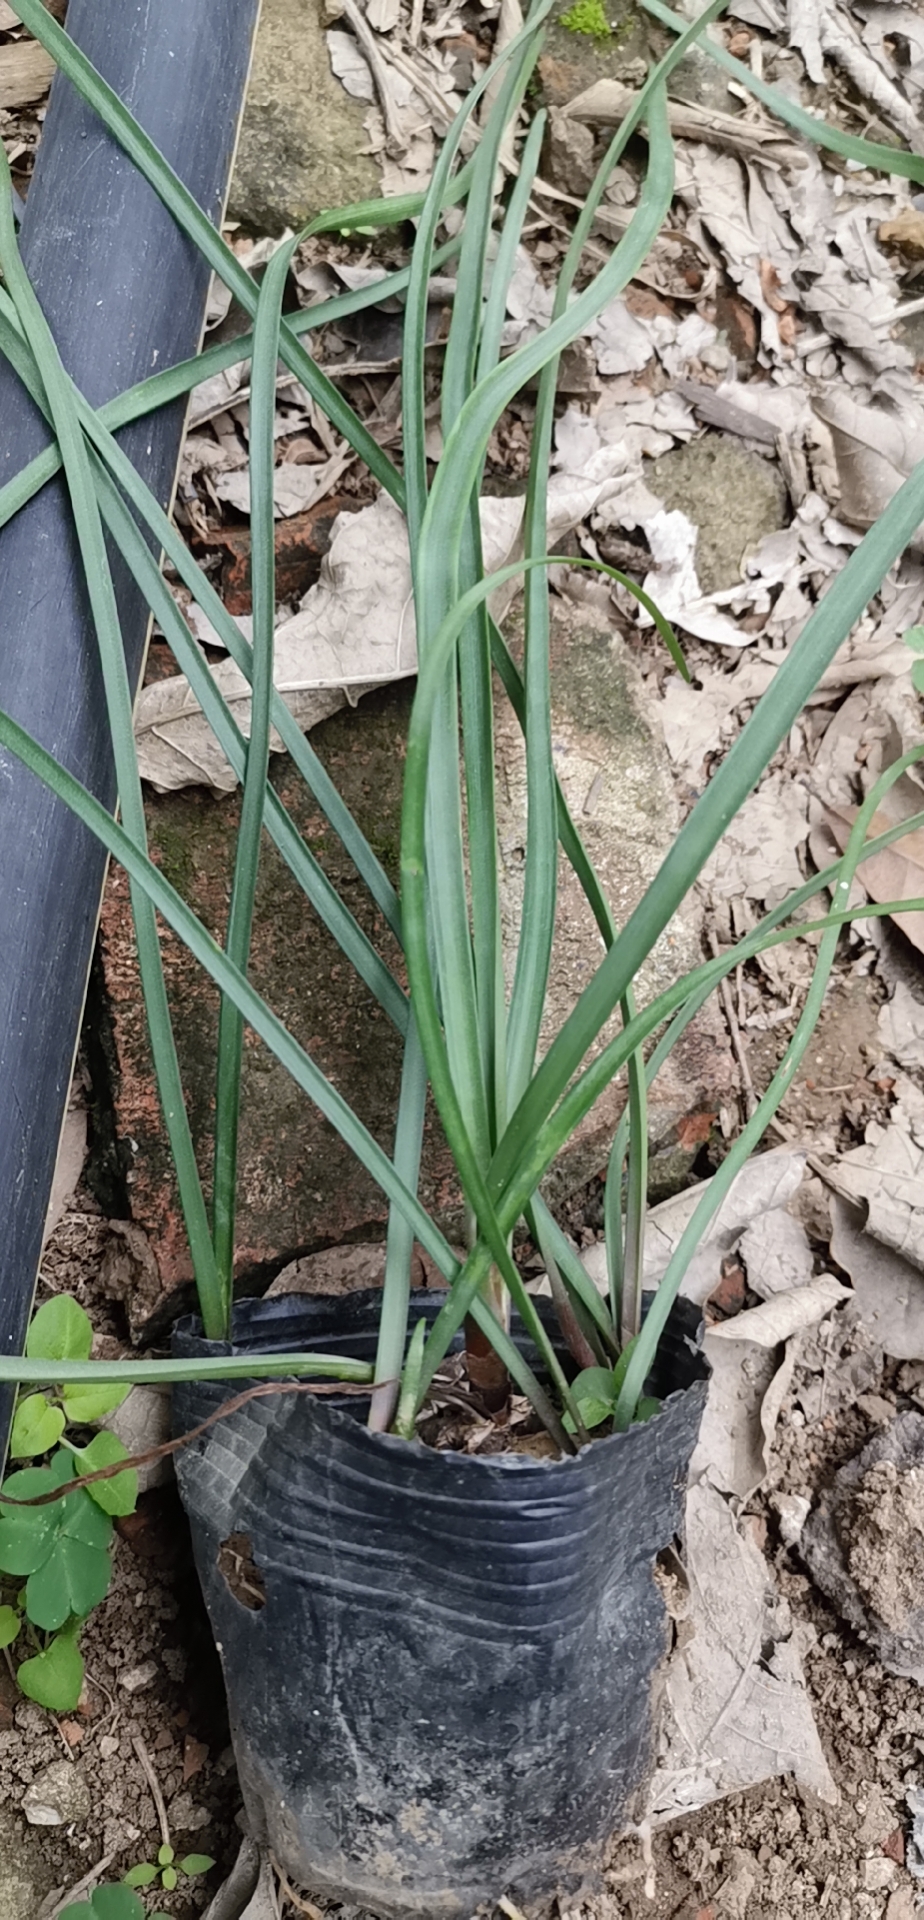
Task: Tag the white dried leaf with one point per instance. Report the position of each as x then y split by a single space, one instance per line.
621 343
901 1028
784 1314
889 1290
355 630
737 1709
294 487
804 33
876 449
757 856
349 65
887 1174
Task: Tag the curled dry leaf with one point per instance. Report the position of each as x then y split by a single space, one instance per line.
26 73
784 1314
886 1175
906 232
875 450
896 874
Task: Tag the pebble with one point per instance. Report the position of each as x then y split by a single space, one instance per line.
108 1746
57 1797
135 1679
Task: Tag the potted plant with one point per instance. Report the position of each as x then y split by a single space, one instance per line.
441 1666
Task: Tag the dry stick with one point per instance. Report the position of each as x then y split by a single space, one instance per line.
133 1460
297 1900
56 1902
370 47
738 1046
154 1784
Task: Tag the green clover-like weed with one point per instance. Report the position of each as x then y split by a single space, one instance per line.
62 1548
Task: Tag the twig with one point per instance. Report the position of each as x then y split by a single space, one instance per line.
54 1903
607 102
738 1047
297 1900
154 1784
173 1446
372 50
507 1907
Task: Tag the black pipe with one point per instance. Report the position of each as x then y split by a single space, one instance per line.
125 295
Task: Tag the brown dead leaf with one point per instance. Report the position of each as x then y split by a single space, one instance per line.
906 232
195 1755
770 287
694 1129
896 874
25 73
727 1298
71 1731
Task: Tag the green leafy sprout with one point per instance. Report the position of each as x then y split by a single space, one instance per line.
507 1112
167 1871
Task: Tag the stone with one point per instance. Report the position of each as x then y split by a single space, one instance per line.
301 149
138 1679
733 497
300 1189
57 1797
570 153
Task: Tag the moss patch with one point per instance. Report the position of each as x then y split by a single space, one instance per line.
587 16
733 497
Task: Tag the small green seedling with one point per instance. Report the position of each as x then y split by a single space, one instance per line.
61 1550
168 1870
914 641
597 1389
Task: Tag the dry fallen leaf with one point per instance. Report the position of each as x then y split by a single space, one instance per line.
896 874
887 1175
906 232
876 450
355 631
736 1708
26 73
784 1314
889 1291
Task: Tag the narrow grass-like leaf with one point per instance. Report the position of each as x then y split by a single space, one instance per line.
137 1372
399 1242
250 830
203 948
161 389
190 659
643 1353
822 635
848 146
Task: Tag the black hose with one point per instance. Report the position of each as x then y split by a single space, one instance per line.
125 294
